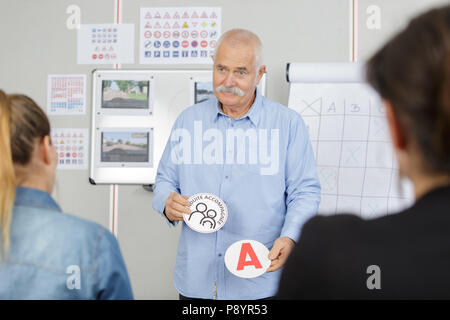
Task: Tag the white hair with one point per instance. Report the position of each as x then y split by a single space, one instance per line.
239 36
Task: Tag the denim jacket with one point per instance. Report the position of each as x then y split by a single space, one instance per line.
54 255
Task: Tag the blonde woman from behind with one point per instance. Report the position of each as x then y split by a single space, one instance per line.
45 253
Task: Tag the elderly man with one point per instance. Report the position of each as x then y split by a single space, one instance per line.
269 185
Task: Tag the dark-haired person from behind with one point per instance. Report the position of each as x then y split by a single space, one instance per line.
406 255
45 253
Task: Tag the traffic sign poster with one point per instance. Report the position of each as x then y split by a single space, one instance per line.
179 35
105 44
66 94
71 146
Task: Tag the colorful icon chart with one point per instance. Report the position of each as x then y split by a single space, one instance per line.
105 44
179 35
71 146
66 94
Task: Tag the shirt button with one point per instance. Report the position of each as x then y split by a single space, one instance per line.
219 254
226 177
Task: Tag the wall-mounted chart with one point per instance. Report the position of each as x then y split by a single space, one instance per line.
350 138
186 35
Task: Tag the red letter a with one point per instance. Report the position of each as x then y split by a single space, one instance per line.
247 249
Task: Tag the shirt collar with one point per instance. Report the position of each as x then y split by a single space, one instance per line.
34 198
253 113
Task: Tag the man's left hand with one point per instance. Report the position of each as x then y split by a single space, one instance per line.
281 249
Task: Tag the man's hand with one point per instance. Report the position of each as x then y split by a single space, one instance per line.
176 206
281 249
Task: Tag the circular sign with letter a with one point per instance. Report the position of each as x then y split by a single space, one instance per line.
208 213
247 259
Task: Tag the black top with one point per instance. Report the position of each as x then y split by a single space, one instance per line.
411 249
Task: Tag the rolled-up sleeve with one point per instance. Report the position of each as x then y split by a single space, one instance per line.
302 182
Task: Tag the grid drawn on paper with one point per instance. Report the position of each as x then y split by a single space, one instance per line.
354 157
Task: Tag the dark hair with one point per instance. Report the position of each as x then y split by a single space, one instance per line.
412 72
28 123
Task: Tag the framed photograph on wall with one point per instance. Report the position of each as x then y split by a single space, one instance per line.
127 94
125 147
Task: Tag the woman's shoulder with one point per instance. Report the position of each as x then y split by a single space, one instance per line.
58 226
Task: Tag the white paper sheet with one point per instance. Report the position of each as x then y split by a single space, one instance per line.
66 94
351 142
105 44
179 34
72 147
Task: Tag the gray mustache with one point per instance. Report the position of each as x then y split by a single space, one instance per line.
233 90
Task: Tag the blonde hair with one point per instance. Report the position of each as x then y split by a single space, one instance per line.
22 121
7 176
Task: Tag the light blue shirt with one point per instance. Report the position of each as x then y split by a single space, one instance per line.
54 255
266 198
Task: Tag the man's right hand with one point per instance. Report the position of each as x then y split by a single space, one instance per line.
176 206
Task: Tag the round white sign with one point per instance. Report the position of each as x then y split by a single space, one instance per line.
208 213
247 259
